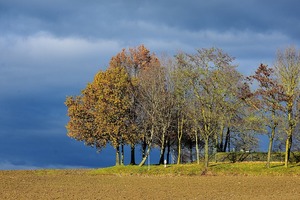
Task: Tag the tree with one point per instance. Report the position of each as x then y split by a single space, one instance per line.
182 94
166 112
101 114
191 100
152 101
135 61
287 66
270 96
82 125
208 67
194 119
229 107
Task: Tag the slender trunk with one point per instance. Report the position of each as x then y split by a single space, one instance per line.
221 149
117 155
162 157
168 152
287 150
122 154
227 141
206 140
270 147
288 143
149 147
206 134
220 140
146 156
179 152
179 136
271 139
132 152
191 151
206 161
162 148
197 148
290 146
144 146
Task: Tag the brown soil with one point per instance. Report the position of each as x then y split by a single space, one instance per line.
77 184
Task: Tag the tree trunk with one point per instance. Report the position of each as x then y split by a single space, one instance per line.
149 147
117 155
168 152
122 154
144 147
206 155
179 136
197 148
290 146
287 149
132 156
270 146
162 156
146 156
191 151
288 143
179 152
227 141
221 147
220 140
162 149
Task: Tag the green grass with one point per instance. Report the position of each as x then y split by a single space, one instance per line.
218 169
255 169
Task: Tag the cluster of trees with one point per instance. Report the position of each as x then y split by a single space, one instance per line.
197 101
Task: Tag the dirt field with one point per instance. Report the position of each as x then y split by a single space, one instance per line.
80 185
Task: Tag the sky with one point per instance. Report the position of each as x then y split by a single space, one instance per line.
51 49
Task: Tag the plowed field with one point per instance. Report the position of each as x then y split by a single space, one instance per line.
78 184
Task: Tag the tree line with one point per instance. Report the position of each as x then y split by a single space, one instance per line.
198 101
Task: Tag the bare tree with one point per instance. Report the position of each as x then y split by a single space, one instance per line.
151 101
270 95
207 70
287 66
182 95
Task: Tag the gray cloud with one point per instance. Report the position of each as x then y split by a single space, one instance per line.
103 19
41 62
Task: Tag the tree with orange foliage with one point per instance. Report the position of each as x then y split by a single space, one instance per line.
101 114
135 61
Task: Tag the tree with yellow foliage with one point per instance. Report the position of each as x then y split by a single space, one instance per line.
101 114
287 67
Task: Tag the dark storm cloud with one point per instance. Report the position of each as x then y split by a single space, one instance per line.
161 25
36 74
103 18
34 150
233 25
